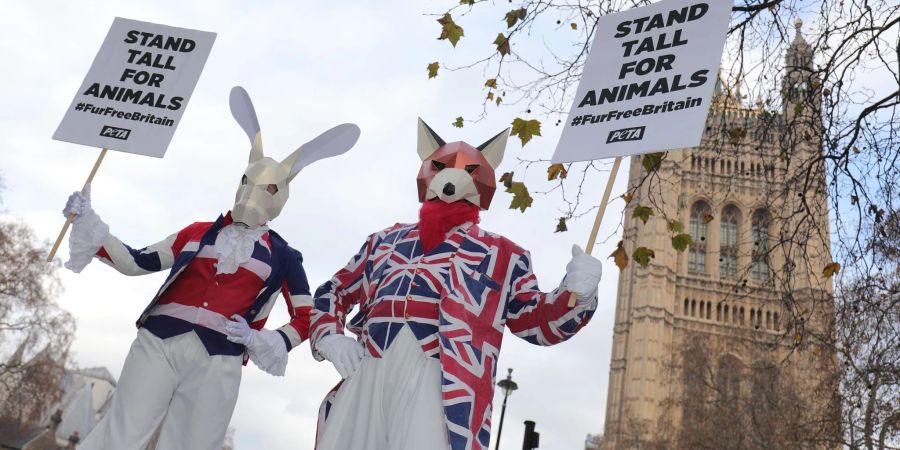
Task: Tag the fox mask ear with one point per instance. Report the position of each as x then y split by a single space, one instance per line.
429 141
245 115
494 147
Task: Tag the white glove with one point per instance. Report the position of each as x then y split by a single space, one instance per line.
88 231
79 204
265 347
343 351
583 275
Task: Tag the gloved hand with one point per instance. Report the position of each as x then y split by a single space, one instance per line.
583 275
265 347
79 204
343 351
88 231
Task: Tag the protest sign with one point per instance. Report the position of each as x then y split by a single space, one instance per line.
647 82
646 86
135 92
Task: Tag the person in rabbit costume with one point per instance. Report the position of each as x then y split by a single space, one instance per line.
433 300
184 367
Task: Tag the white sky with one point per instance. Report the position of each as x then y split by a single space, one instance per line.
307 66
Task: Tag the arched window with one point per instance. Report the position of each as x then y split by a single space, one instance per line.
697 253
760 227
731 217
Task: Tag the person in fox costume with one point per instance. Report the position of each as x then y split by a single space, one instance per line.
433 300
183 371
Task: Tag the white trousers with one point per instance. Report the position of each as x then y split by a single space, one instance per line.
390 403
173 381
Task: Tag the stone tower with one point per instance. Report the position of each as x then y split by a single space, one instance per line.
716 346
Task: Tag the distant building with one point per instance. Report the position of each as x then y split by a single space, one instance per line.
86 397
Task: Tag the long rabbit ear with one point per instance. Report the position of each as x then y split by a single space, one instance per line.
493 149
428 140
333 142
243 112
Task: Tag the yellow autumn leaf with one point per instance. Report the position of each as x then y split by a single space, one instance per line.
643 255
831 269
433 69
556 171
525 129
521 198
450 30
502 43
620 256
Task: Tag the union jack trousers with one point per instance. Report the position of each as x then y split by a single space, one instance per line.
456 299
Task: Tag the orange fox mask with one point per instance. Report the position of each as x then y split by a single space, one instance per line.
457 171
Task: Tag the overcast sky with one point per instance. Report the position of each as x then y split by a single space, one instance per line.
307 66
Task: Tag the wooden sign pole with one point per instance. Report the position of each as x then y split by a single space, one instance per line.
593 238
62 233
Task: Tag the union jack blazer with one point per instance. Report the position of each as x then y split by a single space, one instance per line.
280 268
483 283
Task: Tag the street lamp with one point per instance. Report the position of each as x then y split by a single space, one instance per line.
508 386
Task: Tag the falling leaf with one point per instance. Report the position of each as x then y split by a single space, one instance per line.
831 269
450 30
514 16
561 226
491 83
432 69
708 218
506 179
651 161
525 129
681 241
521 199
675 226
642 212
643 255
502 43
556 171
620 256
574 25
458 123
499 99
797 337
466 2
627 197
490 96
798 108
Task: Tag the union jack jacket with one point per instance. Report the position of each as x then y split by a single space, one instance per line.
276 267
487 285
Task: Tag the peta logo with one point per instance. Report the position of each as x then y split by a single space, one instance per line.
626 134
115 133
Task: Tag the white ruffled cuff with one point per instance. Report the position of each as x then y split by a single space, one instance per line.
269 352
88 235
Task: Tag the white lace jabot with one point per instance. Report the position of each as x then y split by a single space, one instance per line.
234 246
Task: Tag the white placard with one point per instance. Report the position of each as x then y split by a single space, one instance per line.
648 80
135 93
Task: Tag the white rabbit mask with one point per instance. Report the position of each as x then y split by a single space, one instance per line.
264 186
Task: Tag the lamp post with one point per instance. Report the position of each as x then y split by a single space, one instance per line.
508 386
